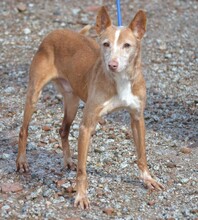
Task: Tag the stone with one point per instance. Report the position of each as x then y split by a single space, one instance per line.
186 150
27 31
59 200
75 11
21 7
11 187
46 128
184 180
109 211
5 156
171 165
10 90
151 203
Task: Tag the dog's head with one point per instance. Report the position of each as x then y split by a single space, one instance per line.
120 46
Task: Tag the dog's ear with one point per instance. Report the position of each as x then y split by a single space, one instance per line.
103 20
138 24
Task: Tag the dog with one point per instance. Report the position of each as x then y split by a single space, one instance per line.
106 75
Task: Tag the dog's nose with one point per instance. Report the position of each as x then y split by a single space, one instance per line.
113 65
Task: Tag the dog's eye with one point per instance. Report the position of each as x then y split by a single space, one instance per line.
127 45
106 44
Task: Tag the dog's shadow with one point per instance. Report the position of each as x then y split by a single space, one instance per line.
175 120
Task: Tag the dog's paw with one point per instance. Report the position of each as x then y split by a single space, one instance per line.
152 184
72 166
21 164
69 164
82 201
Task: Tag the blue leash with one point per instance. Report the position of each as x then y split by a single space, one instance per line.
119 16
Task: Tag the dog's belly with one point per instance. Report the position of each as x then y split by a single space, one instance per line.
66 85
63 85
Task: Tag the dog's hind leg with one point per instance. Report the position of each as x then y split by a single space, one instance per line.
71 102
40 74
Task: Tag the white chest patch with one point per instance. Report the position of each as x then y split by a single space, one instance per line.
123 99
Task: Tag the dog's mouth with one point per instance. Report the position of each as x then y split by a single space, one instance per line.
113 74
114 71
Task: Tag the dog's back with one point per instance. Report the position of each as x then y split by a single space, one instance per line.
70 55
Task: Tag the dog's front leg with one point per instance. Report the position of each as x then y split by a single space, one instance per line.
86 128
138 128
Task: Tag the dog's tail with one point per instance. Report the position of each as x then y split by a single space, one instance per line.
85 30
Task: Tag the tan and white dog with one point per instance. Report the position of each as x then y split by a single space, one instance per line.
106 77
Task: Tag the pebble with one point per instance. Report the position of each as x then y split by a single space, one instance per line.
11 187
47 193
92 8
81 104
66 185
5 156
34 194
171 165
70 189
2 126
75 133
21 7
60 182
59 97
186 150
109 141
5 207
27 31
162 46
85 19
168 56
73 218
59 200
124 164
46 128
129 218
75 11
109 211
75 126
33 128
31 5
10 90
151 203
99 150
31 146
184 180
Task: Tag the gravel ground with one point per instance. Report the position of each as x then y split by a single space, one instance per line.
170 61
